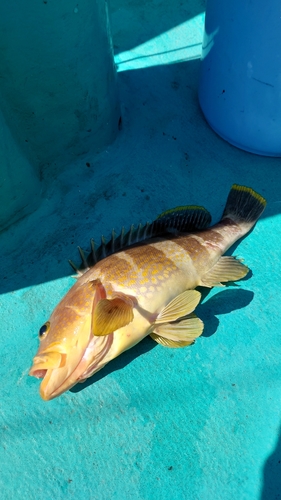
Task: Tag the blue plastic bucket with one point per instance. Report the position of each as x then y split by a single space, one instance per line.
240 80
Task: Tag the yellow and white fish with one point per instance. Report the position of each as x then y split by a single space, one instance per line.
145 287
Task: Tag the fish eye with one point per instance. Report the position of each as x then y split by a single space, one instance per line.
44 329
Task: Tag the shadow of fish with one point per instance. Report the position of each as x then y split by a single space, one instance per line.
142 283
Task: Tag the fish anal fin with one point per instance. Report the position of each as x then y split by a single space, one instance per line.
169 343
111 314
180 306
228 268
179 334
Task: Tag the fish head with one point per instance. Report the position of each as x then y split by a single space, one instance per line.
67 344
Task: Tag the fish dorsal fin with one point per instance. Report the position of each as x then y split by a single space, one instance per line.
228 268
111 314
180 333
184 219
180 306
113 245
179 219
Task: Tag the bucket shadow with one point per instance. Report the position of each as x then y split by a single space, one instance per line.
272 474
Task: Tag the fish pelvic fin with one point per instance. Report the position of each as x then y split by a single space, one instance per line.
175 326
180 306
180 333
228 268
244 206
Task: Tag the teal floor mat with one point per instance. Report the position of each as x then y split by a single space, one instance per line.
196 423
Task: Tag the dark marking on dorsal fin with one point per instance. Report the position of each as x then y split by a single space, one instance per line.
113 237
93 252
177 220
122 237
145 230
130 236
138 232
102 249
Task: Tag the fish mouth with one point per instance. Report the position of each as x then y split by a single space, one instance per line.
60 371
43 362
52 378
44 365
38 373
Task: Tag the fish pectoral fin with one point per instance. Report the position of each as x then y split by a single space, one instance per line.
179 334
180 306
111 314
226 269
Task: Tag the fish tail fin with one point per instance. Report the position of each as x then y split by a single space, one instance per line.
244 206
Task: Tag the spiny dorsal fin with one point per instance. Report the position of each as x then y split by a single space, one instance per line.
179 219
83 258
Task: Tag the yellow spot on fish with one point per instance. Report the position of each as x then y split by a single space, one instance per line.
171 268
152 288
131 282
142 282
143 289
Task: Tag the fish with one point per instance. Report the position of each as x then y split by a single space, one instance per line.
143 282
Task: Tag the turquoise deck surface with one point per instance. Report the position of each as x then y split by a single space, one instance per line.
196 423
